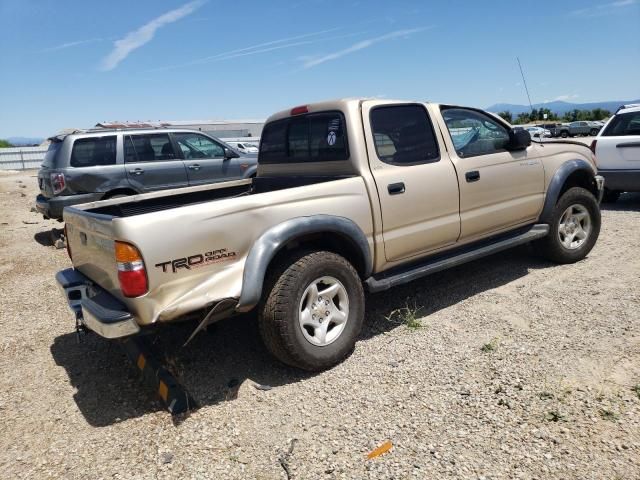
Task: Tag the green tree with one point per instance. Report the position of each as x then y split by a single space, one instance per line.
600 114
523 118
5 144
506 115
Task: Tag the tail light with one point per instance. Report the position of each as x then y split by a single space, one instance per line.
593 146
66 241
57 182
132 274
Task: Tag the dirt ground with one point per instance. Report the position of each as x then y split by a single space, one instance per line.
518 369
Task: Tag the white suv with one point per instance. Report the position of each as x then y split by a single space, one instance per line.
617 150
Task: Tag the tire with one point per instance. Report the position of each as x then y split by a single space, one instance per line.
593 132
289 303
610 196
564 134
563 243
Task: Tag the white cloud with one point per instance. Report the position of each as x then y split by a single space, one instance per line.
71 44
564 98
603 9
361 46
143 35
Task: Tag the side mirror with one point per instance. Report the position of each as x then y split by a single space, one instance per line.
519 139
228 153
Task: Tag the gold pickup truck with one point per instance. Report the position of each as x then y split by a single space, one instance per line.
350 195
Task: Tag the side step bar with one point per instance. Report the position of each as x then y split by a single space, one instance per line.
464 255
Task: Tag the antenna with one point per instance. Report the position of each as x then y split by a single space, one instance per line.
525 83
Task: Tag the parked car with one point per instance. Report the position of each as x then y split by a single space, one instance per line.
350 194
244 147
583 128
99 164
556 129
617 150
538 132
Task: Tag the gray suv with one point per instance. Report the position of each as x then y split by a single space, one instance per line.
98 164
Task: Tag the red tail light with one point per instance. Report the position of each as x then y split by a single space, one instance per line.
57 182
593 146
299 110
132 274
66 241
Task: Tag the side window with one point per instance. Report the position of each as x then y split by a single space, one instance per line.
195 146
475 133
314 137
623 125
91 152
403 135
148 148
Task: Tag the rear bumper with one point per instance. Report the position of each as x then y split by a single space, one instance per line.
53 207
94 307
622 180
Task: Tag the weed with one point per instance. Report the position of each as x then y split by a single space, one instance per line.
636 389
408 316
608 415
490 347
553 416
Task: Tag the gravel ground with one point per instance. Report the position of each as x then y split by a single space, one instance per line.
519 369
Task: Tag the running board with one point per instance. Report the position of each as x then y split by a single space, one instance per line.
464 255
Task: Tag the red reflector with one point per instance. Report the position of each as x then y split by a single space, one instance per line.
593 146
299 110
133 283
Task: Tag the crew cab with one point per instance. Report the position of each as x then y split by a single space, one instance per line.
350 195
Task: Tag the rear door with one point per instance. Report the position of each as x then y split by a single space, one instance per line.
416 181
204 159
618 147
499 189
151 162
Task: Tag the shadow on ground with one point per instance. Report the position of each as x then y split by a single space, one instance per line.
48 237
626 202
216 362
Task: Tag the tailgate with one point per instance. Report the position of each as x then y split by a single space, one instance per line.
90 239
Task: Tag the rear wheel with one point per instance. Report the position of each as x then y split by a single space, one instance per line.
313 310
593 132
574 227
564 134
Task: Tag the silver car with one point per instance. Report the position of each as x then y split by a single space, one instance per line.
95 165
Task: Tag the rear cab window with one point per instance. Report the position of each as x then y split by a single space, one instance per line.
94 151
313 137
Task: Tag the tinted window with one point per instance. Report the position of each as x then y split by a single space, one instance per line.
194 145
89 152
475 133
403 135
49 157
148 148
310 138
623 124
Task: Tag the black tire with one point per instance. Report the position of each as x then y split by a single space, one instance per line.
279 312
593 132
564 134
610 196
551 246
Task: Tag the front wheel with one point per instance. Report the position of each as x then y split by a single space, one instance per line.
574 227
593 132
313 310
564 134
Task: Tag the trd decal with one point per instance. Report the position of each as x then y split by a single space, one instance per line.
197 260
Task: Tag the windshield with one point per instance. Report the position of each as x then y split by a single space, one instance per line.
49 157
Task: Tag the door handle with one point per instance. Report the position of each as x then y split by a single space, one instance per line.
472 176
395 188
136 171
195 166
627 145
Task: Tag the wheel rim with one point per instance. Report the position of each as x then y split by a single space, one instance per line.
324 311
575 227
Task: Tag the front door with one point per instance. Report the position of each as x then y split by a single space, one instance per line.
151 163
415 179
499 189
618 152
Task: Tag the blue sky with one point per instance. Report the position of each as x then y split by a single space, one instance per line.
69 63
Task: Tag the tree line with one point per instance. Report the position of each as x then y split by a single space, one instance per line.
537 115
5 144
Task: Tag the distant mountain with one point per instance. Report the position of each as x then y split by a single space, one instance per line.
559 107
24 141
